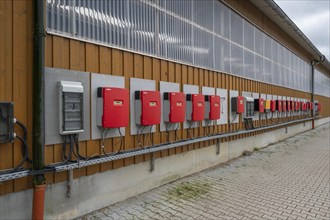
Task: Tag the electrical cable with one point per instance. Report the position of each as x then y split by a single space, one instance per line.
176 132
25 136
21 162
139 136
167 132
232 122
191 123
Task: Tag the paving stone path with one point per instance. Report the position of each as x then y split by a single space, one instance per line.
287 180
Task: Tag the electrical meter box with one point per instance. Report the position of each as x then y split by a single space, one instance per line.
195 107
249 107
6 122
112 110
71 112
174 107
298 106
259 105
279 107
237 104
212 107
284 105
311 105
267 106
272 105
318 107
288 105
304 106
293 105
147 108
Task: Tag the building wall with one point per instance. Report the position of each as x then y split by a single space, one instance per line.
16 85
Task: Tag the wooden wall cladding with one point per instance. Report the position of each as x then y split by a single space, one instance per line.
16 42
74 55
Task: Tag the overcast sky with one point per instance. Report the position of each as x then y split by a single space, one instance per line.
313 18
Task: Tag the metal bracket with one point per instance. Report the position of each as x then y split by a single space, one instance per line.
152 162
69 184
218 146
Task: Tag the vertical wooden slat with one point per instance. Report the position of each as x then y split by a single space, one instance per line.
171 78
164 76
92 65
20 87
138 73
49 150
6 82
157 77
105 68
128 73
61 59
118 70
147 74
178 80
184 80
78 62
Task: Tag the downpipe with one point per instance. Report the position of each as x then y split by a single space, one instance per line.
38 132
313 64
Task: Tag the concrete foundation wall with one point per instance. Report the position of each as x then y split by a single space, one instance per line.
96 191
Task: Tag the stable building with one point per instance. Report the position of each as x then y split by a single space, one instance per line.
103 100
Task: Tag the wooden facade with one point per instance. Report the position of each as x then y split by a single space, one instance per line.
16 38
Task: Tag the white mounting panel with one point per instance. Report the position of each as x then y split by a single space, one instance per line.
207 91
223 93
167 87
263 96
135 85
102 80
190 89
52 76
232 93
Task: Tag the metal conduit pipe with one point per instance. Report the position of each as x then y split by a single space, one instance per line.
313 64
38 117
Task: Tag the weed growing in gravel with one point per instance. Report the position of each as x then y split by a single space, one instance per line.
188 190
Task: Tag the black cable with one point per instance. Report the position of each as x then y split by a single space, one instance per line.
139 137
176 132
167 132
232 122
21 162
150 136
189 129
25 136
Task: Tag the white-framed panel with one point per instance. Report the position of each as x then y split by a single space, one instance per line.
102 80
223 93
207 91
137 84
232 115
167 87
52 76
190 89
